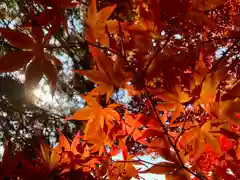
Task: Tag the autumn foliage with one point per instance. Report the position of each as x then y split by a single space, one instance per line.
159 51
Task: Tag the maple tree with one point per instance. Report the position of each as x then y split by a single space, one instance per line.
184 103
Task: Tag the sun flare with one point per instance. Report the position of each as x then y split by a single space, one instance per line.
43 93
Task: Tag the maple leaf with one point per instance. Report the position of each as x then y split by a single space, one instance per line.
53 14
33 56
172 101
133 123
209 92
97 116
50 157
71 155
124 169
199 137
96 22
110 75
98 139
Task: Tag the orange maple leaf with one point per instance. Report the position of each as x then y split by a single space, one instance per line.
110 75
172 101
49 156
124 169
96 23
97 116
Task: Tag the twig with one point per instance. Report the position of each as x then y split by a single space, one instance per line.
169 139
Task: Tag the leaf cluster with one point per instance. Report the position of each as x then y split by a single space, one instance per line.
165 57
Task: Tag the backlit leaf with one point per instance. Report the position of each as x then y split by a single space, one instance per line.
34 73
13 61
51 73
17 39
96 22
64 144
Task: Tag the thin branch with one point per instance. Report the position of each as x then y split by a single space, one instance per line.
169 139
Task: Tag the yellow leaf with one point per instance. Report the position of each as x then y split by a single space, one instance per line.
97 116
184 97
52 159
45 150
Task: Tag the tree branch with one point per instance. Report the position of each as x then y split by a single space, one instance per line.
169 139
